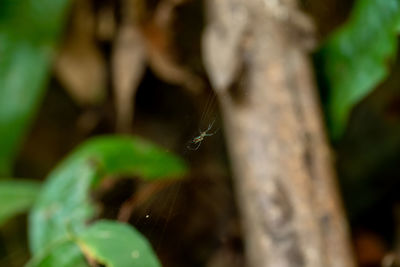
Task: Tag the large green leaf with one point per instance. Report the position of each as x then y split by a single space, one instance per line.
63 253
28 33
64 205
355 58
112 244
116 244
16 196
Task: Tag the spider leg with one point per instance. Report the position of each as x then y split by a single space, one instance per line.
193 148
211 134
210 126
198 145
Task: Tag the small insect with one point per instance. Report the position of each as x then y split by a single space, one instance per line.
198 139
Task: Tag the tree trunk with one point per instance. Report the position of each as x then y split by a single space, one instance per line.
255 56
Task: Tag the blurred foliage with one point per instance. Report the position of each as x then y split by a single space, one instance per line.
116 244
16 197
64 253
63 207
29 30
356 57
107 242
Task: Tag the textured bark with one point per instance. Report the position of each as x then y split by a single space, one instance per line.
254 53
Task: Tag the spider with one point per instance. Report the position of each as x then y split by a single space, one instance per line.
198 139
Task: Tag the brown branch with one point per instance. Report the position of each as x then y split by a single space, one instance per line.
287 195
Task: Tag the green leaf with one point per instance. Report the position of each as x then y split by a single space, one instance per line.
355 58
64 205
16 196
64 253
29 30
116 244
112 244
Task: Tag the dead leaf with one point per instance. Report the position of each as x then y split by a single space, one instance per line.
158 34
222 41
80 66
128 66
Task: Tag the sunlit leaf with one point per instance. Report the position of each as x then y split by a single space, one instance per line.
28 33
356 58
116 244
64 205
16 196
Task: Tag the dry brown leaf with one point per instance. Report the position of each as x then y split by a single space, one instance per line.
166 69
158 34
133 48
222 40
128 65
80 66
81 70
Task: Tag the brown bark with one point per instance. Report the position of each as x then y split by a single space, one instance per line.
254 53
